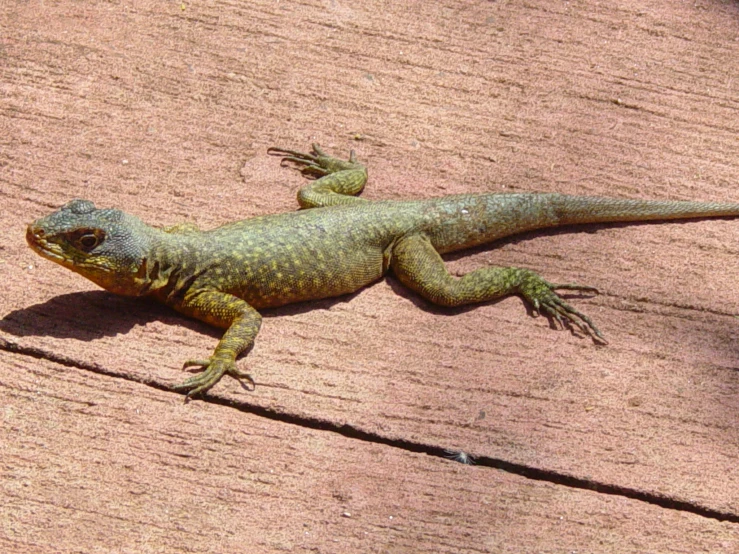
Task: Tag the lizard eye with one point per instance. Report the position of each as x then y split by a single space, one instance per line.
87 239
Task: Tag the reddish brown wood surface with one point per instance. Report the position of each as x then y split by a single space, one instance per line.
166 110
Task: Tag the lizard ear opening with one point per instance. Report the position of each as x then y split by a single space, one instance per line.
87 240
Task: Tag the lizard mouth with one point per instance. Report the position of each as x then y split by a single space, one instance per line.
38 243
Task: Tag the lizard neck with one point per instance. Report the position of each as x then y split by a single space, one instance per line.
167 261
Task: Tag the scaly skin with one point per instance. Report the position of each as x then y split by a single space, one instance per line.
338 245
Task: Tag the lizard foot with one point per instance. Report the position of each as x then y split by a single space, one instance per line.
316 163
213 369
541 295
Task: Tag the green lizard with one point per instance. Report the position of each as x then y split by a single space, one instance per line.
336 245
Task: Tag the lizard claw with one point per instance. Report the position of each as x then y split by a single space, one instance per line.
313 156
212 371
315 163
541 295
309 163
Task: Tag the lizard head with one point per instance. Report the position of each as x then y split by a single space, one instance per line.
106 246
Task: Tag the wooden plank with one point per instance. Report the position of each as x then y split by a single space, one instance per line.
90 462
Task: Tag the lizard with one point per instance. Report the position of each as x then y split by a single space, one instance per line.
336 244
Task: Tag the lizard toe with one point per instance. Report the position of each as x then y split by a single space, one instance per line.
542 296
241 377
195 363
212 371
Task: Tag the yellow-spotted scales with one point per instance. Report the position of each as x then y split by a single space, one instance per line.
337 244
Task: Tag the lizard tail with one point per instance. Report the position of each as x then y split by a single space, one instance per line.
585 209
470 220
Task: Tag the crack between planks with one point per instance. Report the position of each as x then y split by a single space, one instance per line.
352 432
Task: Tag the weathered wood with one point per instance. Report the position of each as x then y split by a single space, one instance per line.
166 111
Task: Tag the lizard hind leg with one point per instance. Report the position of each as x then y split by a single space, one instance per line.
419 266
336 181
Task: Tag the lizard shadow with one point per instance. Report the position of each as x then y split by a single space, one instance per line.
83 316
90 315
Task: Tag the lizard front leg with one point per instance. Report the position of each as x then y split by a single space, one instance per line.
242 323
419 266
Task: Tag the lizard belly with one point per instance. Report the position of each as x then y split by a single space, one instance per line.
310 275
